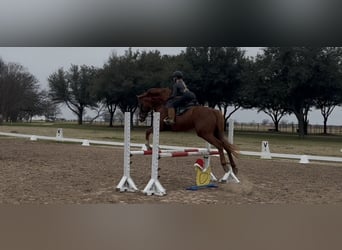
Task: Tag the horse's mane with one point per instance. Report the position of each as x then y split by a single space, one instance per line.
157 95
163 93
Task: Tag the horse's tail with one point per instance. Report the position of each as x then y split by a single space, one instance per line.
220 133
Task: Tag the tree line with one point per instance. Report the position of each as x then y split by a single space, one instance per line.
20 96
279 81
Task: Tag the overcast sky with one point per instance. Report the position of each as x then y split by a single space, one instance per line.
43 61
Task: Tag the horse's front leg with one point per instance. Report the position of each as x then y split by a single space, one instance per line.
147 137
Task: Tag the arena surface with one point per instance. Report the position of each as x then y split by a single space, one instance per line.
57 173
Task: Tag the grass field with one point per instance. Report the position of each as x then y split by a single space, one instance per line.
247 141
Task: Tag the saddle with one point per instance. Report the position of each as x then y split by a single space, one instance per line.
183 108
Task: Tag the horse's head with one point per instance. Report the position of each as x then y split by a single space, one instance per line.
145 106
152 99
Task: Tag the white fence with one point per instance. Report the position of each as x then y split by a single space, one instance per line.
140 145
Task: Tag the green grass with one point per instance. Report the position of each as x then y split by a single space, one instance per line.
246 141
290 143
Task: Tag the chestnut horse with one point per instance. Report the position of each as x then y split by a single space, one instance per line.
207 122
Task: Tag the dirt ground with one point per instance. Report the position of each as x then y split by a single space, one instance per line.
58 173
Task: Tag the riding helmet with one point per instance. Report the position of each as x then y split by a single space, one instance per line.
178 74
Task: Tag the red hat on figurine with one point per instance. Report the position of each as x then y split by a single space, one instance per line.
199 163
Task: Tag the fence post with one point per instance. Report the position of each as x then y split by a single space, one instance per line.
126 183
231 131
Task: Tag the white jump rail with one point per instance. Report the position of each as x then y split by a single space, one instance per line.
64 139
297 157
175 148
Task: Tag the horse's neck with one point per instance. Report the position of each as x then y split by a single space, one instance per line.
162 94
167 94
158 102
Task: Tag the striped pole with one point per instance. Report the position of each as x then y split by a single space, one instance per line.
180 151
183 154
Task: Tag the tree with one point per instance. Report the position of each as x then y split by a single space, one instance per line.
73 88
229 66
124 77
151 69
300 67
265 90
117 83
106 86
2 87
330 88
196 75
296 75
216 76
19 92
48 108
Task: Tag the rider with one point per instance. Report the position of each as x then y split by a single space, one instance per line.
180 96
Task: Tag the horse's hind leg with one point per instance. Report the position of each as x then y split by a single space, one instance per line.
219 145
229 150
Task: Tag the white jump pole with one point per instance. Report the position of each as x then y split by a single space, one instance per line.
154 186
207 162
231 131
127 183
